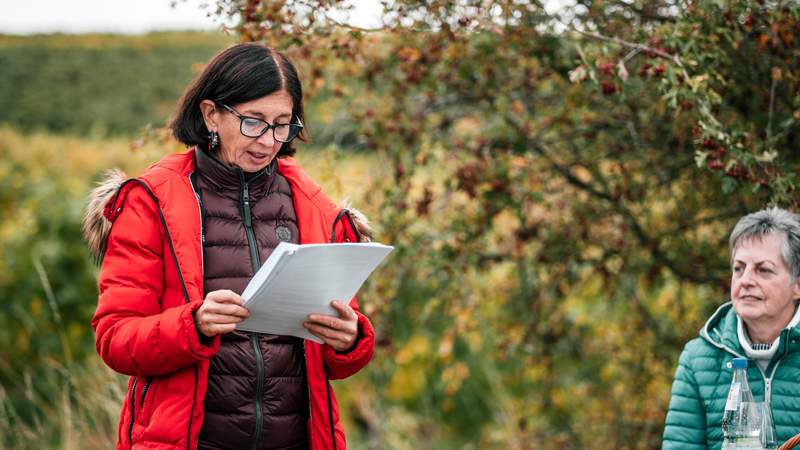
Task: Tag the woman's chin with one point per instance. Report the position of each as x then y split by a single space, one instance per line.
748 310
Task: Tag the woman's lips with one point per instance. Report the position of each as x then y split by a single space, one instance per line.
258 156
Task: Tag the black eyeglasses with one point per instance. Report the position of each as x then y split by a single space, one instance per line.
254 127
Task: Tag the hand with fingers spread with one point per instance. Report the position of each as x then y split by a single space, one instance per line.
220 312
338 332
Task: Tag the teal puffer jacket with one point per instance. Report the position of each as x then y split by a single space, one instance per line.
703 377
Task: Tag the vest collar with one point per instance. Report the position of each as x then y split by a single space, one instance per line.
227 178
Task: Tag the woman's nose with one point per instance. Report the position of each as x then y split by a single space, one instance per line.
267 139
747 277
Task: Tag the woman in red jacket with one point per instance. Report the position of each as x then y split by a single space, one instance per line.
179 244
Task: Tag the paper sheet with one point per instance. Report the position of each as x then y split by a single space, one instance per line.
298 280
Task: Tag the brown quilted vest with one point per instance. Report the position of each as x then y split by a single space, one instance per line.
257 390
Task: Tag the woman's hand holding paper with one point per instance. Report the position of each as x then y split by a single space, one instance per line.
220 312
338 332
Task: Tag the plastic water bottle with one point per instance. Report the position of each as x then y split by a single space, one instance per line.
738 393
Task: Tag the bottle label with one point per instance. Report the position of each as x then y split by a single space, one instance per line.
733 397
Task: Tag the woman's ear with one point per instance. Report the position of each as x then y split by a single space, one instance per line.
210 114
796 289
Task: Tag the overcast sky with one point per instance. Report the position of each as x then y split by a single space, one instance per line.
124 16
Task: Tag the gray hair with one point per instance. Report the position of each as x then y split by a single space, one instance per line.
768 221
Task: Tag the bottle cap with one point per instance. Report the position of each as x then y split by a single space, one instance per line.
739 363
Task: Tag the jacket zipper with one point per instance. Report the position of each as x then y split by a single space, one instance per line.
308 389
330 410
325 370
768 380
144 392
133 410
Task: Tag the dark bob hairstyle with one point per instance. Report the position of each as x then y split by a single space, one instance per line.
239 74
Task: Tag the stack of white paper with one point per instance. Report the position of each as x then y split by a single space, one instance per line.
298 280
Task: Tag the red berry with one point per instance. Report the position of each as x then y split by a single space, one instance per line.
606 68
608 87
643 71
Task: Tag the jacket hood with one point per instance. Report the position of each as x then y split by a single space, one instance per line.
362 224
96 225
720 329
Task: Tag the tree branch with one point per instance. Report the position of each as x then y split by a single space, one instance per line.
644 239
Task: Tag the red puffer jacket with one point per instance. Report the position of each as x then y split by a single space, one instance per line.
151 282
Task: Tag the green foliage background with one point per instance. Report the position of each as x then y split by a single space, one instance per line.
559 186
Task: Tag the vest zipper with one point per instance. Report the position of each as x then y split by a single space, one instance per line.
259 388
248 223
247 218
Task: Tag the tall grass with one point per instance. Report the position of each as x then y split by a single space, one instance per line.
69 407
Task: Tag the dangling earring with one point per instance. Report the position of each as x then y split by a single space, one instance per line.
213 141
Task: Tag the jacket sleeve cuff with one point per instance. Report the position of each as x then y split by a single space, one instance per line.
344 364
201 347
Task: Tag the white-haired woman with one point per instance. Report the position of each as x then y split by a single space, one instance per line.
759 323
